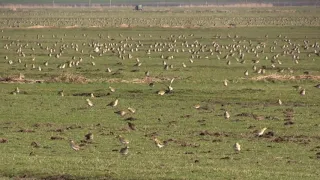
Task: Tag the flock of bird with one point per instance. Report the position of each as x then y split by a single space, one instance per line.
280 49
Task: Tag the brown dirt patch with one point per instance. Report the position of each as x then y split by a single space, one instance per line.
75 78
69 78
272 77
124 26
17 79
70 27
39 27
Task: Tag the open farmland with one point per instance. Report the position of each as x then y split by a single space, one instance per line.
195 81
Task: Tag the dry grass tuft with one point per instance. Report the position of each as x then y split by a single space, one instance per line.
18 79
273 77
69 78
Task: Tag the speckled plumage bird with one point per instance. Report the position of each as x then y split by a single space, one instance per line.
158 143
112 89
114 103
237 147
161 92
225 82
74 146
124 151
197 106
132 126
90 104
261 132
17 90
246 73
226 115
61 93
131 110
89 136
121 112
303 92
123 140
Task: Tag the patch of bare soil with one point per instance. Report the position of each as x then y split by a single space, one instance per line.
75 78
124 26
273 77
39 27
70 27
18 79
69 78
301 139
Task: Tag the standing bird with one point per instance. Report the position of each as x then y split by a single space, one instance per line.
90 104
131 110
122 140
303 92
61 93
237 147
74 146
89 136
246 73
124 151
161 92
225 82
158 142
279 102
112 89
17 90
114 103
226 115
170 88
132 126
261 132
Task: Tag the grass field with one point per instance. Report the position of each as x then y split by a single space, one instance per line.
142 1
37 122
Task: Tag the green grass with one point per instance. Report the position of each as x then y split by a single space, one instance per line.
202 140
141 1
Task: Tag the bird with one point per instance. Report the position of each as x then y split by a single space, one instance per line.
132 126
158 142
260 133
317 86
89 102
124 151
226 115
246 73
151 84
225 82
112 89
237 147
122 140
74 146
61 93
89 136
92 95
279 102
17 90
114 103
147 73
121 112
197 106
170 88
131 110
303 92
161 92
